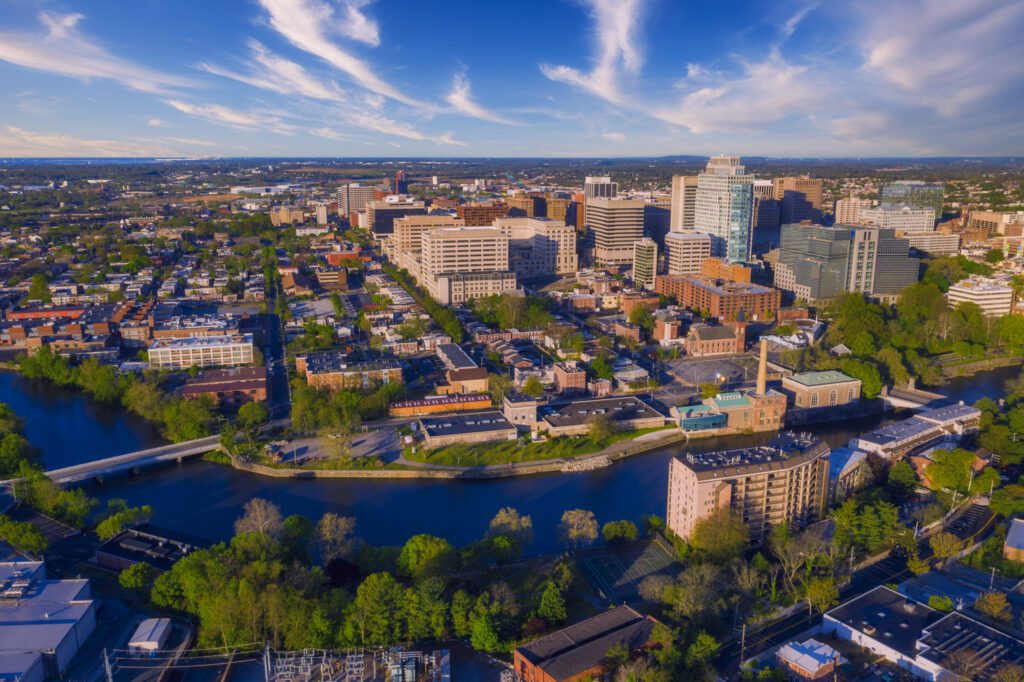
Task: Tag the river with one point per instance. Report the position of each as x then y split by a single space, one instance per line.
204 499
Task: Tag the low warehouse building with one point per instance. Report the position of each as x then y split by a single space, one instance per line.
575 418
478 427
150 637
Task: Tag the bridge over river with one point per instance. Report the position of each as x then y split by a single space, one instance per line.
130 461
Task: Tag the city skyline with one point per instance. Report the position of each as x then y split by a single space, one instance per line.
593 78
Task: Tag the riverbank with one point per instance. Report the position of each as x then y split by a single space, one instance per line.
974 367
414 470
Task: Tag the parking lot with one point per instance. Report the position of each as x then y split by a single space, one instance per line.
727 371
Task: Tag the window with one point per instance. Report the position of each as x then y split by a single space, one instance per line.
814 400
832 398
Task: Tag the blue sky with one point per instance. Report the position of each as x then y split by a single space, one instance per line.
527 78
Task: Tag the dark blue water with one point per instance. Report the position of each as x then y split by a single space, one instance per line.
204 499
70 428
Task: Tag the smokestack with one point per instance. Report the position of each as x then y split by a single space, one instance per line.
762 368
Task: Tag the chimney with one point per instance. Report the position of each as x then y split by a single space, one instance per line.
762 368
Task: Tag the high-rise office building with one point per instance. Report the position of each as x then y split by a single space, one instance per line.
782 482
320 208
684 202
848 210
686 251
353 197
800 198
657 218
916 193
481 213
645 263
557 207
613 226
600 187
995 222
725 204
817 262
405 245
521 206
540 247
401 183
461 263
767 218
380 215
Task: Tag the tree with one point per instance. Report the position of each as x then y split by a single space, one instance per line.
483 636
964 664
703 650
602 427
721 536
39 289
262 517
821 593
902 480
252 415
499 386
1008 672
708 390
917 565
994 605
510 523
994 256
642 317
377 610
940 602
533 388
615 532
335 536
552 604
136 577
945 545
600 366
424 555
696 594
125 518
578 527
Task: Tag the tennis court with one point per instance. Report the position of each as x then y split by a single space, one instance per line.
616 572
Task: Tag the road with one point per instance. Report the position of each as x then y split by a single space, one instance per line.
280 404
975 522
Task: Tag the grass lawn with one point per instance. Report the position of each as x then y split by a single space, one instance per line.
503 452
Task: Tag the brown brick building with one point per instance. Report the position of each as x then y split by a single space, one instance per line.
329 369
726 339
720 298
233 386
476 214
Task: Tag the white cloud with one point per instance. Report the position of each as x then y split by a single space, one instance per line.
19 142
461 99
358 26
615 34
381 124
949 55
280 75
62 49
304 23
615 137
243 120
158 123
763 93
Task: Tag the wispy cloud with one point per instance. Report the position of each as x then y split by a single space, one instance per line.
948 54
20 142
616 24
280 75
762 93
242 120
356 25
461 99
158 123
62 49
614 137
304 24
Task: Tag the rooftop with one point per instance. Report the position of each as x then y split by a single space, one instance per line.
145 543
454 357
716 332
1015 534
478 422
821 378
45 612
582 646
725 288
583 411
957 632
888 617
950 413
810 655
785 450
451 399
202 341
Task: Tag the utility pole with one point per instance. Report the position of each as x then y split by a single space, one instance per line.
266 662
743 644
992 580
106 666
